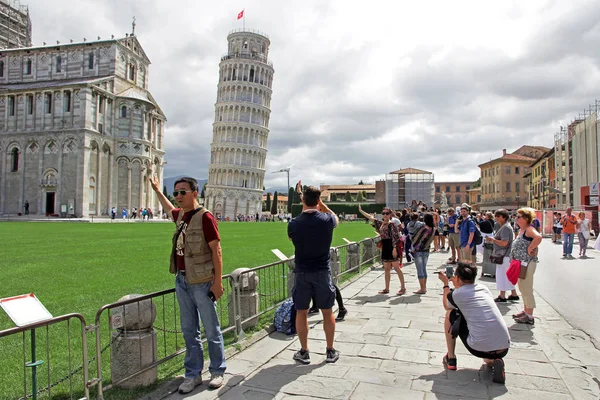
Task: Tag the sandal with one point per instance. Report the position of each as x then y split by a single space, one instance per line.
420 292
384 291
401 292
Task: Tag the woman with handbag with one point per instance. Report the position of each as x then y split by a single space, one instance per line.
584 234
502 241
390 238
523 254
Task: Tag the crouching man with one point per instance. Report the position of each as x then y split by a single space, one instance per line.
473 316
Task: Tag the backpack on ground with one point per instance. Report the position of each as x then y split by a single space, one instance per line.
285 318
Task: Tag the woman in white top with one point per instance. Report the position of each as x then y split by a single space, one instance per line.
584 234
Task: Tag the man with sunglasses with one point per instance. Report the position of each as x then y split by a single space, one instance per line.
197 262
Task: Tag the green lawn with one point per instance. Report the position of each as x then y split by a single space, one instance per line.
78 267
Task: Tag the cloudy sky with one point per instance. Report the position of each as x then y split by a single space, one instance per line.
362 88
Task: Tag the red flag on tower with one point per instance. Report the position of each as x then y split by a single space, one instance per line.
241 15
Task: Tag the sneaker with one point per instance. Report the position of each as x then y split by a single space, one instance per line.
570 256
303 356
313 310
519 315
500 300
332 355
513 298
341 314
525 319
449 363
189 384
498 375
216 381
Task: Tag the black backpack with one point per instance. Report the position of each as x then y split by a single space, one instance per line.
477 238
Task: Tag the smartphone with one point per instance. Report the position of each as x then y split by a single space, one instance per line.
211 296
449 271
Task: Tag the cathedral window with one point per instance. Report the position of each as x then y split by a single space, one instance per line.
11 106
29 104
28 68
1 69
124 112
58 64
48 103
131 72
91 61
92 190
67 101
14 160
101 102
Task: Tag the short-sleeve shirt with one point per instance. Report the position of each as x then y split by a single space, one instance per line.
209 228
505 233
569 224
487 329
452 221
466 227
312 233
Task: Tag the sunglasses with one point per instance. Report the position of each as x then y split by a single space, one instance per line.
181 192
385 213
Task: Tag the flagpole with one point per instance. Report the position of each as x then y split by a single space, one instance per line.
244 19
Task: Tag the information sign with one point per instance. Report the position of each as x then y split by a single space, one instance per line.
594 201
594 188
25 309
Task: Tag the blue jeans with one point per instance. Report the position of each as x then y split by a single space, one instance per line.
568 243
407 247
195 305
421 258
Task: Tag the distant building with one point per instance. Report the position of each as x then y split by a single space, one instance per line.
281 203
456 192
541 182
474 197
332 193
15 25
405 185
503 184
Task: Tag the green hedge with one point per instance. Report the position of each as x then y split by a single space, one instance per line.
346 208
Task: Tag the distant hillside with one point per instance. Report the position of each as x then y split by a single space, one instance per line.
169 182
278 190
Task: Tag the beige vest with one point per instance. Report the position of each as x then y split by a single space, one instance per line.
197 253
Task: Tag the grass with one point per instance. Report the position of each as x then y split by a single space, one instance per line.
75 267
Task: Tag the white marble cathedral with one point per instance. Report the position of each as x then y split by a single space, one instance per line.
241 127
79 131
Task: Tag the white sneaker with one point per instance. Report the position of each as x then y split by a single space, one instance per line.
216 381
189 384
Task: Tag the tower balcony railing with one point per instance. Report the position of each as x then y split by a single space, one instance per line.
254 57
255 31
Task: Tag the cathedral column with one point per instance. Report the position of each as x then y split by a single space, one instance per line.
22 166
3 181
142 171
59 176
131 121
235 209
41 177
128 187
99 183
111 174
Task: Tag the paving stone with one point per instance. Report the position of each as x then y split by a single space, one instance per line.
497 391
584 383
238 366
363 338
371 363
536 383
369 391
265 349
347 349
248 393
441 396
378 377
201 393
407 333
527 355
377 351
320 387
412 355
430 345
437 384
536 369
434 336
433 326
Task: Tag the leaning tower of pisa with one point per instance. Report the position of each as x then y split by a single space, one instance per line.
241 128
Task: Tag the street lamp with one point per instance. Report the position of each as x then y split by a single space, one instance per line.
287 171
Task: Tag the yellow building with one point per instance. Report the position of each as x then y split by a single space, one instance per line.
281 203
502 181
539 182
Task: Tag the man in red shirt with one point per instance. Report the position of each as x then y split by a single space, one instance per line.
569 223
197 262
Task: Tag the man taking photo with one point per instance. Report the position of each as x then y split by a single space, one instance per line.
197 262
312 232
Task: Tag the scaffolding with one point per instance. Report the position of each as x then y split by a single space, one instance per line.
15 25
561 167
407 185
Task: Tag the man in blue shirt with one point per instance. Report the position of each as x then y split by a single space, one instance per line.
453 237
312 232
467 234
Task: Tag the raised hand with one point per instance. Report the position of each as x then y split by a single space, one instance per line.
154 182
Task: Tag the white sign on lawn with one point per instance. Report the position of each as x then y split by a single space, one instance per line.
25 309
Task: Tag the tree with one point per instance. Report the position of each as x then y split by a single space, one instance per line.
476 184
333 197
348 197
291 199
361 197
268 205
203 192
167 195
361 182
274 204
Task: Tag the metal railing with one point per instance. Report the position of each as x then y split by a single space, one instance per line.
253 57
241 30
249 294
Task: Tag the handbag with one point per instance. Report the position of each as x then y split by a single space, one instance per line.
499 260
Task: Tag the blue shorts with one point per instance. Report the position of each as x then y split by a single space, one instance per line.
317 285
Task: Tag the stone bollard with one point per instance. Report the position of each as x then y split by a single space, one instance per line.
367 250
352 257
334 262
248 306
290 277
133 343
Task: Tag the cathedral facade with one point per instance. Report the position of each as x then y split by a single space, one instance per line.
241 126
80 132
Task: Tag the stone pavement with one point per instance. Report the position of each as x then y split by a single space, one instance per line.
392 347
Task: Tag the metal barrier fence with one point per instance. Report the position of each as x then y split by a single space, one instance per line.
143 331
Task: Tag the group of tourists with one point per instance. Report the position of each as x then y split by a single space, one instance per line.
568 226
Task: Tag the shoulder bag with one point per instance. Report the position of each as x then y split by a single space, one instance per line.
499 260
